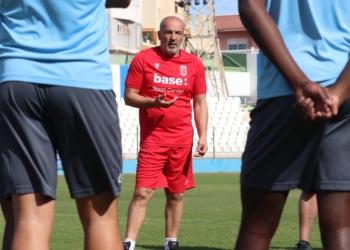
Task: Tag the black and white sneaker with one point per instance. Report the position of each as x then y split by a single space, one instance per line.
303 245
173 245
126 245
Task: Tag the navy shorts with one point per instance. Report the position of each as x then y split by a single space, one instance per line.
82 125
284 152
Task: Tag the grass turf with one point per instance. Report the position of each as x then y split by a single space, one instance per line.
210 221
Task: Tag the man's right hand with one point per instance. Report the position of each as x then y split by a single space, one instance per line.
160 101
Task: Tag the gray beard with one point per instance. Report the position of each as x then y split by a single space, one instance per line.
172 51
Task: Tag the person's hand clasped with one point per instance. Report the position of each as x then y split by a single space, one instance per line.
313 103
160 101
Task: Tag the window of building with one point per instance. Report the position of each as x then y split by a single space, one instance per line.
176 7
237 43
122 29
149 36
232 47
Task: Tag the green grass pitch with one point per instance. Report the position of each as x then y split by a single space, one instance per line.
210 221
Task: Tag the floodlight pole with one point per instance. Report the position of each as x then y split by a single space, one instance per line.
207 44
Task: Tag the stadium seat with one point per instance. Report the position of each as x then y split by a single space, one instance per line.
237 100
241 149
218 149
226 149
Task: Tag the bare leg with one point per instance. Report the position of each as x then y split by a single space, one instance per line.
261 213
99 217
137 211
173 213
307 214
7 210
334 218
34 216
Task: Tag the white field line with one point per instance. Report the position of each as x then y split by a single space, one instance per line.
158 219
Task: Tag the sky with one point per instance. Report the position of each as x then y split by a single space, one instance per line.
226 7
222 7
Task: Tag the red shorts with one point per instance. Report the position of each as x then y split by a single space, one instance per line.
165 167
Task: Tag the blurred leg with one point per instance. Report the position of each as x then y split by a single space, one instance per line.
34 216
261 213
173 213
334 218
7 210
99 217
307 214
137 211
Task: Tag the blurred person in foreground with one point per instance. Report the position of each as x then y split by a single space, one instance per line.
7 211
300 128
161 82
307 208
56 94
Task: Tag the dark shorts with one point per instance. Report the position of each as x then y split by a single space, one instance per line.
284 152
165 167
82 125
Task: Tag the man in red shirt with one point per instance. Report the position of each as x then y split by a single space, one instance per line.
161 82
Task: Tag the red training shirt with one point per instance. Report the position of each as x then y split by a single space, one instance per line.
155 74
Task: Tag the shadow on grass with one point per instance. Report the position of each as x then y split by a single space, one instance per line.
182 248
292 248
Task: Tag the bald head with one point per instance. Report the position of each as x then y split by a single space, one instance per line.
171 35
170 19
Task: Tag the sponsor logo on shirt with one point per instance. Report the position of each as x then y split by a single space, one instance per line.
171 90
156 65
169 80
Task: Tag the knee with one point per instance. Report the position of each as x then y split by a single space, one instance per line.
142 194
175 197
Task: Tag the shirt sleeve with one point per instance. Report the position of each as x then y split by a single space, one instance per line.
135 74
200 84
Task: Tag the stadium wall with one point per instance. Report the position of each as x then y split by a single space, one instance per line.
199 166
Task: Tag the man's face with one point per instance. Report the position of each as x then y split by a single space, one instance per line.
171 36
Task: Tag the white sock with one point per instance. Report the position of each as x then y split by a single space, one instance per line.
133 243
166 247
